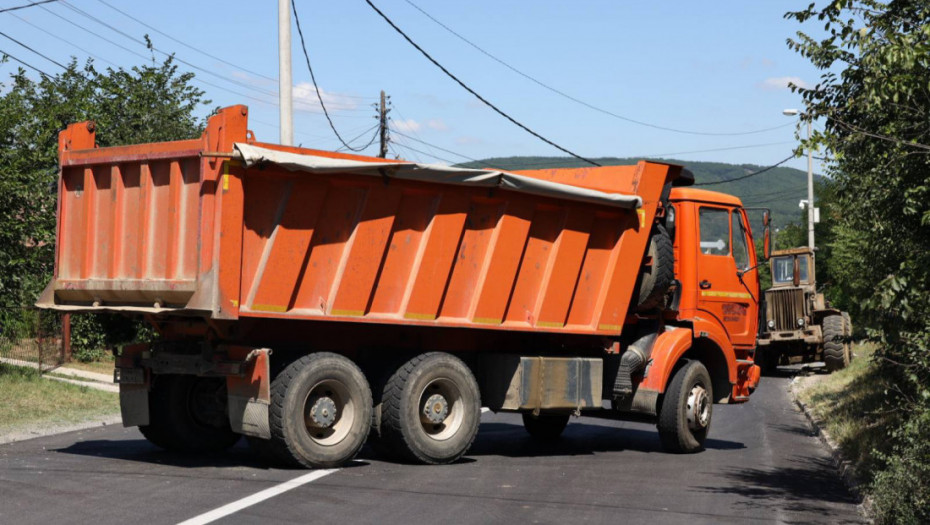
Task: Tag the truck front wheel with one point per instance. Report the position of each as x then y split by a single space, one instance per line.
431 409
320 412
687 407
188 414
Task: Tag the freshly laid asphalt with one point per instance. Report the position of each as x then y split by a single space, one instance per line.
762 464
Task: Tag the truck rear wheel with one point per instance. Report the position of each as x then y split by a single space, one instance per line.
320 412
835 345
188 414
545 427
431 409
687 407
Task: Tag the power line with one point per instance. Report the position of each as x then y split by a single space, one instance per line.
202 52
472 91
753 174
579 101
316 87
143 57
53 35
654 155
57 63
189 64
374 137
411 148
30 66
16 8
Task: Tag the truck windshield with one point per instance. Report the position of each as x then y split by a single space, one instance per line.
783 269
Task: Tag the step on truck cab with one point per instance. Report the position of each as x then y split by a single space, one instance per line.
311 300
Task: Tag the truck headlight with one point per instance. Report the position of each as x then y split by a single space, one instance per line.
801 322
771 323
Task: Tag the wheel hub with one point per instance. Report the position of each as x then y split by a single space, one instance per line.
436 409
323 412
698 412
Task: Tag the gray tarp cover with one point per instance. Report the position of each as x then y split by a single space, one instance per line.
252 155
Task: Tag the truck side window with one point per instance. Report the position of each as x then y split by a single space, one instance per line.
715 231
740 247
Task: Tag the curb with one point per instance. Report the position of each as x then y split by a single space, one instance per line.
26 435
845 467
88 384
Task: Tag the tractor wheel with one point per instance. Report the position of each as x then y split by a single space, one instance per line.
848 327
686 409
835 346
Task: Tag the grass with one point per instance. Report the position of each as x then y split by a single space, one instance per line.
851 407
29 401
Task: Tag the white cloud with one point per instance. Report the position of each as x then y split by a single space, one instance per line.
305 98
407 125
437 124
778 83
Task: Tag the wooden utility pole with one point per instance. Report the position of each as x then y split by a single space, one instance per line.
382 115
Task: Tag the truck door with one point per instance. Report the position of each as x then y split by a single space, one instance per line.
724 250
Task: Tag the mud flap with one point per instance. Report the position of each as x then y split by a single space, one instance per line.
250 393
133 386
748 377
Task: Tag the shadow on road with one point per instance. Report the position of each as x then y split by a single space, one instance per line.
494 439
142 451
511 440
805 485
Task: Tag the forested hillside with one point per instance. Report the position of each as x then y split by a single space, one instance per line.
779 189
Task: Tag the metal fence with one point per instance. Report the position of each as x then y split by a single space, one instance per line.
34 338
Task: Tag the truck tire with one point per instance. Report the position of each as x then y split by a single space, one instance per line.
188 414
430 409
654 280
545 427
320 412
848 329
686 409
835 346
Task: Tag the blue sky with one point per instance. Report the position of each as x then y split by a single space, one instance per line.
715 67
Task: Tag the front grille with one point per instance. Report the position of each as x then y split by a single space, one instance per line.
785 307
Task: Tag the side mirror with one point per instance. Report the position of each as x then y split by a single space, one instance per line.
796 280
766 235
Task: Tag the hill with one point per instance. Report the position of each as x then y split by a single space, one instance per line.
779 189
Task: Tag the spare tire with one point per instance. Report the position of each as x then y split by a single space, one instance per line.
655 278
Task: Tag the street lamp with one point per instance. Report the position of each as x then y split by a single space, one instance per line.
810 180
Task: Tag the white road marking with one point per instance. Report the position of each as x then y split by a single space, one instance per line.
258 497
485 409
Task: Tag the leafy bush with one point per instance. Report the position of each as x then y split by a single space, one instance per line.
873 99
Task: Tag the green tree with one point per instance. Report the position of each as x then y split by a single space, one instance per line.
152 102
874 101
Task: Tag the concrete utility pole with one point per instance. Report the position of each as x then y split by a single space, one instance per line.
284 73
382 115
811 209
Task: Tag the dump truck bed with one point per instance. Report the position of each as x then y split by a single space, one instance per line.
223 227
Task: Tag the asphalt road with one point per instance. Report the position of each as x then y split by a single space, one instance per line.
762 464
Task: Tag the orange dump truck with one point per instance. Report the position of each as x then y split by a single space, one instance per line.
311 300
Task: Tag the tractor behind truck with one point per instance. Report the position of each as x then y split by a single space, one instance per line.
312 300
800 325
